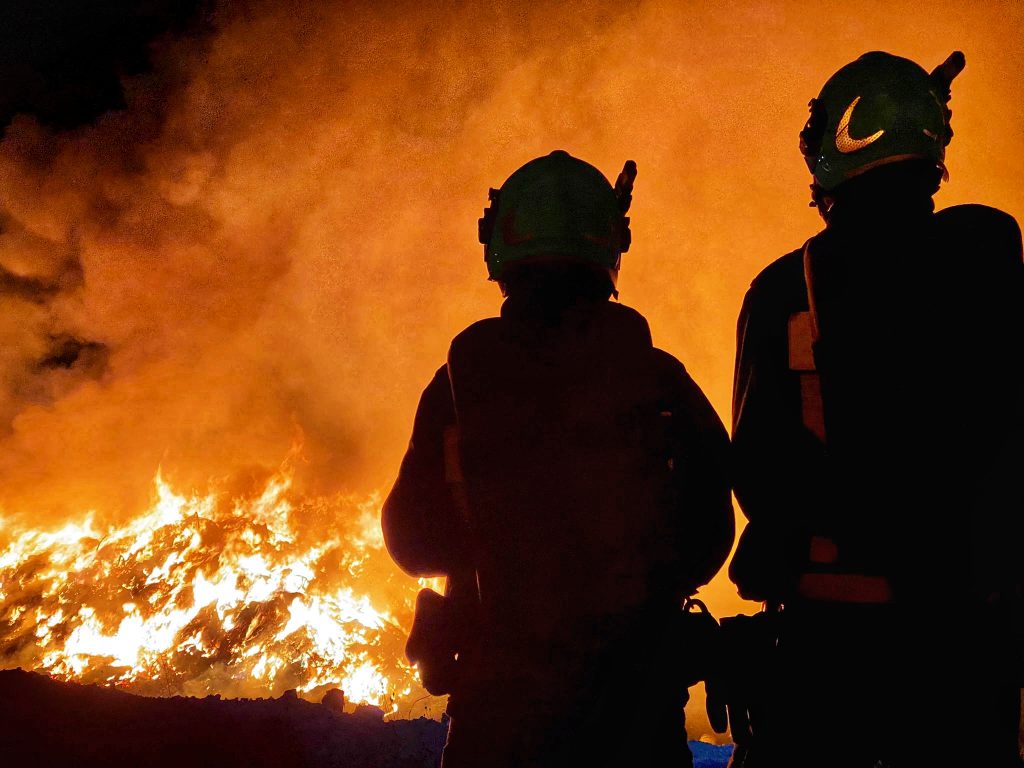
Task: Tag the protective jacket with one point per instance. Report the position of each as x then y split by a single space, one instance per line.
916 380
595 497
877 445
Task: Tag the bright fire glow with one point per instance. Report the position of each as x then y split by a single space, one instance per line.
203 595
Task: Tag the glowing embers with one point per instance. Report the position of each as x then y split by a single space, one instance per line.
204 595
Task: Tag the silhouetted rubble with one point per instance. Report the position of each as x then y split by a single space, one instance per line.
334 699
44 723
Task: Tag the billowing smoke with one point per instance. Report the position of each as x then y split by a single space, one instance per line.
267 243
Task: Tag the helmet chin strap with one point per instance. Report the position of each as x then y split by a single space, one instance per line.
821 200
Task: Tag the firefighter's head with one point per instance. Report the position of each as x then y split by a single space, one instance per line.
878 110
557 216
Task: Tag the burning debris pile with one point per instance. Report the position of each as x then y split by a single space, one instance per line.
212 595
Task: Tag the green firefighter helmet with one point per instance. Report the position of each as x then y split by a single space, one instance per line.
557 208
878 109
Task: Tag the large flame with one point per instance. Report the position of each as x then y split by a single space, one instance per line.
202 594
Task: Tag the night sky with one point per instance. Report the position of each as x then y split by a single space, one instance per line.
63 62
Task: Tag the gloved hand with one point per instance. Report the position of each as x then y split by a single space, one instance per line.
726 702
432 645
699 639
745 658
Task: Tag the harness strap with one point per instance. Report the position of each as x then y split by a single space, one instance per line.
845 588
801 362
818 582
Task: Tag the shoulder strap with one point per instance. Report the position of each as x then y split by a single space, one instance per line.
803 333
465 582
824 578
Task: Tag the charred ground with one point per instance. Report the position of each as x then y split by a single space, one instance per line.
44 722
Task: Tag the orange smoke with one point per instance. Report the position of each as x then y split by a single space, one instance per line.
278 234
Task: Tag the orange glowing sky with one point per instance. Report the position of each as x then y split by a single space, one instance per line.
279 234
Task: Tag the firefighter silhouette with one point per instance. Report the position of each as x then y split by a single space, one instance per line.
569 479
877 454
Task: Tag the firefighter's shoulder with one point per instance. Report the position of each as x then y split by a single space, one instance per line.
683 396
485 327
783 278
475 340
629 323
980 225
